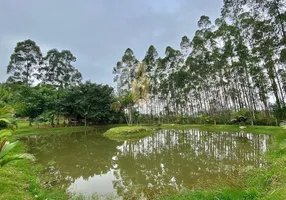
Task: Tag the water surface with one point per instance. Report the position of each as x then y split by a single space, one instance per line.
170 160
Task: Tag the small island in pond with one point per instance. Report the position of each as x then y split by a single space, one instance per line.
129 132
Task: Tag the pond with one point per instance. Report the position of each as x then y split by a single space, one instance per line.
170 160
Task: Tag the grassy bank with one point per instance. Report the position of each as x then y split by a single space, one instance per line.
40 131
129 132
23 179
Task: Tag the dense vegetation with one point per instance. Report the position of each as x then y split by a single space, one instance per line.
50 89
236 64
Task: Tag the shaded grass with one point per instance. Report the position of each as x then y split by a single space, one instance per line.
38 131
25 130
22 180
129 132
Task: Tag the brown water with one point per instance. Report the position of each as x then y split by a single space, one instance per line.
166 161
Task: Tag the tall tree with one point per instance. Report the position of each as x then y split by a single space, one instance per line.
151 60
58 69
25 63
125 72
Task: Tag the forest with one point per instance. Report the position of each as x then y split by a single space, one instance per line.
232 67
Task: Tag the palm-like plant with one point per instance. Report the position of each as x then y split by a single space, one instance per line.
5 148
6 113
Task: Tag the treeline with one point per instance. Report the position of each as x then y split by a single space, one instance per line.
49 89
230 71
85 104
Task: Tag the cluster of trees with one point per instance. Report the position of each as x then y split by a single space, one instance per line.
82 104
234 64
27 65
50 89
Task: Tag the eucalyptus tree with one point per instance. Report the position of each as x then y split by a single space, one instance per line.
58 69
168 66
151 60
246 22
125 71
125 75
236 63
185 47
199 62
266 20
25 62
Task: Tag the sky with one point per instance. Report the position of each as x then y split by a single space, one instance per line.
98 32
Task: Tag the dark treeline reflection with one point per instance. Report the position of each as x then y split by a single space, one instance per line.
167 160
181 159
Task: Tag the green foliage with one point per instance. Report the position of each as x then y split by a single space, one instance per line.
125 104
35 101
24 62
232 64
6 147
89 101
58 69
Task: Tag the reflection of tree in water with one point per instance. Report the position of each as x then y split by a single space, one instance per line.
181 159
75 155
169 160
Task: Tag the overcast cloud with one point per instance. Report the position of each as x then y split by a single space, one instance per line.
98 31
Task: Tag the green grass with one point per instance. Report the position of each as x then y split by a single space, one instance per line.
22 180
230 128
129 132
219 194
38 131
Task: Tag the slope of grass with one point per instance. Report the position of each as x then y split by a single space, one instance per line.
22 180
129 132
